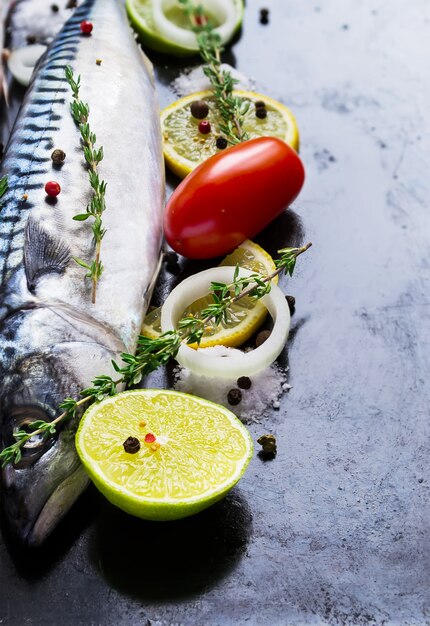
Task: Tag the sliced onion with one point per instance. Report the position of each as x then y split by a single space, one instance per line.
224 10
22 62
236 363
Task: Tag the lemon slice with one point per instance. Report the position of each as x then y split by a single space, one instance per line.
247 314
141 17
200 452
185 147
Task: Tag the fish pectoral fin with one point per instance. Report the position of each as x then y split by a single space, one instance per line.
43 253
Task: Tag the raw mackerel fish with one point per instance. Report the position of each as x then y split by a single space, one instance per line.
53 340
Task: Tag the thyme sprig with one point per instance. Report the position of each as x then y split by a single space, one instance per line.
152 353
231 108
80 112
224 295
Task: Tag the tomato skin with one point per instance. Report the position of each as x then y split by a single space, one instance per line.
231 197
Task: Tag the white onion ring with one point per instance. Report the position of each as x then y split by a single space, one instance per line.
225 11
239 363
22 62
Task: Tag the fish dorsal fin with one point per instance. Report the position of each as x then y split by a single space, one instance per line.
43 253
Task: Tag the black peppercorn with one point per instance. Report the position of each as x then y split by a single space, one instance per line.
261 113
234 396
221 143
260 104
244 382
170 257
131 445
31 39
264 16
54 8
58 156
291 303
199 109
171 260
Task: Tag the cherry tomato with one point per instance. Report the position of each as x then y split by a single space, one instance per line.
231 197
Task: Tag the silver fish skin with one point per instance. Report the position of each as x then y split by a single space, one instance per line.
53 340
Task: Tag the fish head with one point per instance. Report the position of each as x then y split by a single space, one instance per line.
40 488
42 485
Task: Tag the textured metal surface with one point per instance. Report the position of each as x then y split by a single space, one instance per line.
335 529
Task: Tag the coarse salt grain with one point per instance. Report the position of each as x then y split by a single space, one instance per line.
264 394
36 19
195 80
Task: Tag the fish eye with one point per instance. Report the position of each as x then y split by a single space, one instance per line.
36 440
20 419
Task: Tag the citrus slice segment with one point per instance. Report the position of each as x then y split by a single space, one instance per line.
196 451
185 147
140 13
247 314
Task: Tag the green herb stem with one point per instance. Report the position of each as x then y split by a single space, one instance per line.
13 453
80 112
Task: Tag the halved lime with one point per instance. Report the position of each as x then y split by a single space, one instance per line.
185 147
140 14
246 315
196 452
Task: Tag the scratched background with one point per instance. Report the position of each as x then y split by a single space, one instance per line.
335 530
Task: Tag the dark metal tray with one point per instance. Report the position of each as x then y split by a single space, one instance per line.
335 529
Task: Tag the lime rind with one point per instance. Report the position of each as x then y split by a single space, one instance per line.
140 15
161 508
